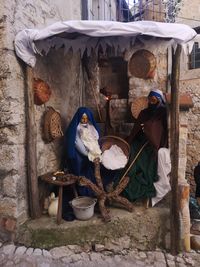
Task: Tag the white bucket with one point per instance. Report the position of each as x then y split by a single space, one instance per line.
83 207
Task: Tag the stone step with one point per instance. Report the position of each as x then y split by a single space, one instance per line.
146 229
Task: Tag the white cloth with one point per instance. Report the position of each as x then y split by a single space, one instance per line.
29 42
87 141
114 158
162 186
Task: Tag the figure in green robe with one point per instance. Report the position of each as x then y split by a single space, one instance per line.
150 129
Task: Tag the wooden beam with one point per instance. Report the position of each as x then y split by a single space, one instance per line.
174 218
31 147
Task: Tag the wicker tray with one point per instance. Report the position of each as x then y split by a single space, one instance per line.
138 105
61 179
142 64
107 141
42 91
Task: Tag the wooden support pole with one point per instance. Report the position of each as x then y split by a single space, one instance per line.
31 151
183 196
174 218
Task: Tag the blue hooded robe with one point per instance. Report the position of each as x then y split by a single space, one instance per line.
77 163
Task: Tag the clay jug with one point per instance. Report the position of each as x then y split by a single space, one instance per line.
53 206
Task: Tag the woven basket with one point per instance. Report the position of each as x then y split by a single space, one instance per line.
142 64
52 125
138 105
107 141
42 91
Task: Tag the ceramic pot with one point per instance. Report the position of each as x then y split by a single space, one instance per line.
53 206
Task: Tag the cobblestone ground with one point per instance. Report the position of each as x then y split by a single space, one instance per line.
75 256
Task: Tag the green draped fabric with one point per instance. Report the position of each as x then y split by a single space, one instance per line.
142 174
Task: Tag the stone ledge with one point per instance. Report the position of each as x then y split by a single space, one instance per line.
146 228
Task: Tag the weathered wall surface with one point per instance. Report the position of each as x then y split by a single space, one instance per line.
189 82
189 13
191 86
14 16
63 73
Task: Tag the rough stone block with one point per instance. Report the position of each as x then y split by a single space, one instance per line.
9 249
8 207
9 157
20 250
8 224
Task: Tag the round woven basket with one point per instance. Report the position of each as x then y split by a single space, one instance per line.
42 91
107 141
138 105
142 64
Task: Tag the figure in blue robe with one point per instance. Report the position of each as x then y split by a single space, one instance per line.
76 158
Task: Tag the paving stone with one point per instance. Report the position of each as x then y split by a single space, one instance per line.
37 252
169 256
75 248
99 247
60 252
171 263
66 260
20 250
117 258
142 255
9 263
25 264
179 259
29 251
2 258
159 264
94 259
16 259
85 256
76 257
9 249
189 261
95 256
139 263
44 264
181 264
46 253
159 256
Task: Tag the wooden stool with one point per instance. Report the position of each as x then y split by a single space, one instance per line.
61 181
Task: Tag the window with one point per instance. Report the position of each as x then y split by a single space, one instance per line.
194 57
101 9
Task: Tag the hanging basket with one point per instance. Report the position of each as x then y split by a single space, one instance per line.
138 105
142 64
42 91
52 125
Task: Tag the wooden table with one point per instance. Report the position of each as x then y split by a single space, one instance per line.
61 181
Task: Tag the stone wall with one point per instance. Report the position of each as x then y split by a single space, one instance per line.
141 87
189 13
189 82
63 73
16 15
191 86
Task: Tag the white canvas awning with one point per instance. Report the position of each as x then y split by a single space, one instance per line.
83 34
